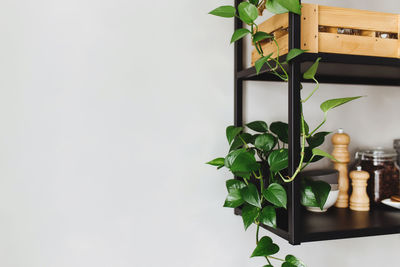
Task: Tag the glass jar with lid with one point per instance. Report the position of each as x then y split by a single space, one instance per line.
384 173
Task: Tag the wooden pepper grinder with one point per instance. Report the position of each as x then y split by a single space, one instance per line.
359 199
340 142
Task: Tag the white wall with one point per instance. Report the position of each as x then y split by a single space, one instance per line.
108 111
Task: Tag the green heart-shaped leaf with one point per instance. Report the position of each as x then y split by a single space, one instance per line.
306 128
276 195
260 62
234 199
308 155
310 73
294 52
258 126
251 196
274 7
232 132
254 2
217 162
292 261
234 184
238 141
239 34
291 5
260 36
314 193
249 215
265 247
321 191
319 152
278 160
307 195
248 13
317 139
266 142
224 11
241 161
254 137
333 103
231 157
268 216
281 129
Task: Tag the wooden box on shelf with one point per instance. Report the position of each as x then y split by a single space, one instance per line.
337 30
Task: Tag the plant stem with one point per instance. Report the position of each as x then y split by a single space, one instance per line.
283 178
255 24
277 47
255 175
278 259
257 233
244 142
315 89
312 157
303 144
277 60
268 261
319 126
259 49
273 69
262 186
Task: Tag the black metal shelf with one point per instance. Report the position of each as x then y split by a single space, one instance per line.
340 69
344 223
297 225
340 223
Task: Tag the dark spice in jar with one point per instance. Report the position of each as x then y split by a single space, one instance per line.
396 146
384 174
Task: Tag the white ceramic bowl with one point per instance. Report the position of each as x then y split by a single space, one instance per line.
390 203
330 201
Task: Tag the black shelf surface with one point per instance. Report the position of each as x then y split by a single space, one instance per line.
340 69
344 223
341 223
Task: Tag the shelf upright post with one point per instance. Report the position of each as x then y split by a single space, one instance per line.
294 211
238 66
238 82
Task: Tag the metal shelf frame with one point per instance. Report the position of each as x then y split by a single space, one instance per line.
302 226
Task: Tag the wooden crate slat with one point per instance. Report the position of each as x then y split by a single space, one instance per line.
274 23
398 36
357 45
358 19
309 28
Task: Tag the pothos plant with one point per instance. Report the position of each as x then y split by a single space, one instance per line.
259 161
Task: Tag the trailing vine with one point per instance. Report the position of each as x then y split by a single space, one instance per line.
262 158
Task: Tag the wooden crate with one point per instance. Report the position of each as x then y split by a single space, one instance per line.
319 32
